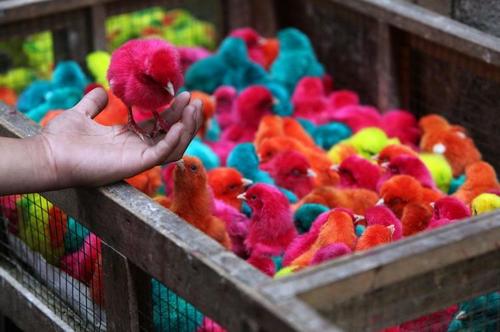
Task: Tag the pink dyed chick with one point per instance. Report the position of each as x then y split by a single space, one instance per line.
403 125
189 55
330 252
381 215
357 172
309 99
448 210
251 105
291 170
145 73
225 103
254 43
271 228
407 165
80 264
358 117
237 225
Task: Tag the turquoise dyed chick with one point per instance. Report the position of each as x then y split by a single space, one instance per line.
306 214
203 152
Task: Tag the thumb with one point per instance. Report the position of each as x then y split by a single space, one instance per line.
92 103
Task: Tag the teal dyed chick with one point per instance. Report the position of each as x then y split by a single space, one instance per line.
295 60
171 312
306 214
481 314
203 152
229 66
244 158
213 133
456 183
329 134
69 74
282 105
62 98
359 230
74 236
308 126
33 96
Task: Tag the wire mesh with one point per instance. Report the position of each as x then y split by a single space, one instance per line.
54 256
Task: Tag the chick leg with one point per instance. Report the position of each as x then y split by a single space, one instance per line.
159 122
134 127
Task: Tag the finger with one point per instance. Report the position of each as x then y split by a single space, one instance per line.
188 133
161 152
174 114
198 114
92 103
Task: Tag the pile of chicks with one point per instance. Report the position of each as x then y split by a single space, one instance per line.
289 172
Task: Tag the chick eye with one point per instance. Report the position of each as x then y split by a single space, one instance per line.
194 168
232 187
396 201
253 197
295 172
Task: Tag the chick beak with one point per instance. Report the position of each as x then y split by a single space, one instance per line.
358 218
391 229
180 164
170 88
311 173
380 202
276 101
261 41
246 182
385 165
335 168
242 197
375 157
461 315
432 204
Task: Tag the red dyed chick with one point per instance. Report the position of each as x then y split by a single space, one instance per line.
227 183
145 73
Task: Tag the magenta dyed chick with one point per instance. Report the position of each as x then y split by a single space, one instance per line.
251 105
225 103
448 210
291 170
357 172
330 252
145 73
381 215
407 165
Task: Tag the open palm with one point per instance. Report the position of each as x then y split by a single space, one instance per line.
83 152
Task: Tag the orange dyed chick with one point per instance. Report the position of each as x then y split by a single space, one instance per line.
339 228
227 183
148 181
373 236
208 110
192 200
480 178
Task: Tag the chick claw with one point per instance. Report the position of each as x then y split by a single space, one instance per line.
134 127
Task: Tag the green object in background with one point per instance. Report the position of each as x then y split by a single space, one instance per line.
74 236
17 78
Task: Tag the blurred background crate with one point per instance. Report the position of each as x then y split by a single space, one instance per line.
166 276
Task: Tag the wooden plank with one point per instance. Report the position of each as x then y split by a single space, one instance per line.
96 24
455 254
23 308
237 14
385 68
125 291
193 265
263 17
424 294
429 25
16 10
483 15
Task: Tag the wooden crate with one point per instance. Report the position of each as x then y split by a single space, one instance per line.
395 55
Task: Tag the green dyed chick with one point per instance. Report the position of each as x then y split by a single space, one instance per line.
440 169
42 226
98 64
370 141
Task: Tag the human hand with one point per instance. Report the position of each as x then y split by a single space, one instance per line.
81 152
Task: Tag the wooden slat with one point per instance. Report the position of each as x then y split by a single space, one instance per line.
358 281
429 25
193 265
23 307
125 289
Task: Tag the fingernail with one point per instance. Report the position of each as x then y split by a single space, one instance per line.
197 103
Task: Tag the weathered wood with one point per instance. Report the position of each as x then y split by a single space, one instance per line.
193 265
483 15
443 7
25 309
96 24
429 25
236 14
423 260
384 66
126 292
263 16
